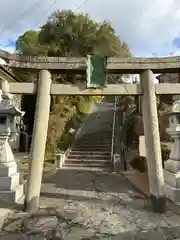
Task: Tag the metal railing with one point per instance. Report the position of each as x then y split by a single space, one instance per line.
113 131
26 140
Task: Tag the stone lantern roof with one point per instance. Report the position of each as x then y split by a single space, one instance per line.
174 109
6 106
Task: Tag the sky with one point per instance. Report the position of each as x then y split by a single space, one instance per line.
150 27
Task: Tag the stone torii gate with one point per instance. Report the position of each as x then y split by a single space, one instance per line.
146 89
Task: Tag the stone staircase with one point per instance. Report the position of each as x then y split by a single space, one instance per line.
92 147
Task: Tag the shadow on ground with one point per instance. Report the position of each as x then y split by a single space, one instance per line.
79 205
91 186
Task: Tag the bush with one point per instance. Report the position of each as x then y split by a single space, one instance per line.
139 163
165 151
65 142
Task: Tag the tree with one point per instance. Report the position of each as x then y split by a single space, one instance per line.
28 44
72 34
68 34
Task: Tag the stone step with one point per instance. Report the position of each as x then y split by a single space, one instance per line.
104 153
89 153
93 122
100 162
86 164
95 169
89 149
105 118
92 148
102 125
95 137
101 128
100 142
90 156
95 134
85 134
92 145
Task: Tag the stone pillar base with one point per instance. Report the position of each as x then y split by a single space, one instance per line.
11 190
172 186
60 158
117 163
172 193
158 204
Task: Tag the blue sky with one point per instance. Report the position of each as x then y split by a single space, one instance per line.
150 27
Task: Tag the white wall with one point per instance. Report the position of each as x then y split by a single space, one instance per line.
142 146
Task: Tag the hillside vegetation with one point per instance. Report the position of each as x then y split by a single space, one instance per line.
69 34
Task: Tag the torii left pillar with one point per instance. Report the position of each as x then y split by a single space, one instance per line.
38 145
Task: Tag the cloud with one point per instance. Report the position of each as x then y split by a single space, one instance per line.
150 27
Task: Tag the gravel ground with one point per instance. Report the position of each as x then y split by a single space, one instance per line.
80 204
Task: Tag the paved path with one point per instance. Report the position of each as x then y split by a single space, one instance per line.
91 205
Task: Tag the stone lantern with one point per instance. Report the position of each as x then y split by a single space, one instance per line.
10 188
172 165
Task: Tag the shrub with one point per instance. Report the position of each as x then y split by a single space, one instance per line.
165 151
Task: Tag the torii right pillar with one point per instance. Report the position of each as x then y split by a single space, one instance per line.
152 141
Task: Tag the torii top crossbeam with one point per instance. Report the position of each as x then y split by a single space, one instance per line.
129 65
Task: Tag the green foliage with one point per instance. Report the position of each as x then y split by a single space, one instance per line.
68 34
85 104
139 163
61 113
97 99
28 44
165 152
71 34
74 34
